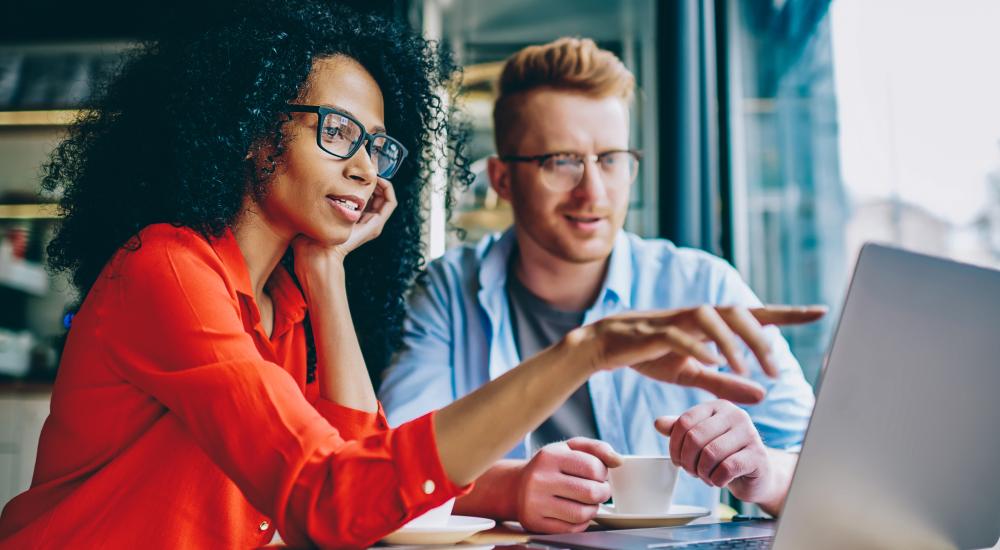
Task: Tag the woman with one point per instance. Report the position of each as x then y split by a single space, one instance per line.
186 413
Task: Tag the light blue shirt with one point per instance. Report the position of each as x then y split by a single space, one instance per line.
458 336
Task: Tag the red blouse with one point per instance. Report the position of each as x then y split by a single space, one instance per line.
177 423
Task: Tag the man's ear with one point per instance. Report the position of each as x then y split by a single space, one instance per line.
499 173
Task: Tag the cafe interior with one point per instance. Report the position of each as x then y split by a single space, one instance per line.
778 135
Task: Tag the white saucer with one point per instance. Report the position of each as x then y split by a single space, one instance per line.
458 529
679 514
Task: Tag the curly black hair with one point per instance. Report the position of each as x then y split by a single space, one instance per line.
166 141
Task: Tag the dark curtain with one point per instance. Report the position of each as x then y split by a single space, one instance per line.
688 149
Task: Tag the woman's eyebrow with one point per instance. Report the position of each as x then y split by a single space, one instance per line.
374 130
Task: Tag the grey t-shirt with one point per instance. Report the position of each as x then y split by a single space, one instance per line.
537 326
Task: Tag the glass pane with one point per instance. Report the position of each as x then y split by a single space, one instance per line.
339 133
859 121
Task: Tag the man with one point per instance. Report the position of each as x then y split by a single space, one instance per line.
562 134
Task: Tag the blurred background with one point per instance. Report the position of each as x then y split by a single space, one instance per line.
778 134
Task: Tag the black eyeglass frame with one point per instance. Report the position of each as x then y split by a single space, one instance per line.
322 111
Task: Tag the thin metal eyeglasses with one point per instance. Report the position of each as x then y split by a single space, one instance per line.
341 135
563 171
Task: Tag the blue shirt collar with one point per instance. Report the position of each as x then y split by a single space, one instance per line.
495 254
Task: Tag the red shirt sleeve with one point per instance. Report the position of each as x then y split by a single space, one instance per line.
183 342
352 423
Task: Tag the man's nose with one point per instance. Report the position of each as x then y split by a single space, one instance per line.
592 183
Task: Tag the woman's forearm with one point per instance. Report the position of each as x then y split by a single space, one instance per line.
477 430
341 371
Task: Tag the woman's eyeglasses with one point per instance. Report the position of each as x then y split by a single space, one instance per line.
341 135
564 171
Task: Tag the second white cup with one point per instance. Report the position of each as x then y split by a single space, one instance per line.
643 484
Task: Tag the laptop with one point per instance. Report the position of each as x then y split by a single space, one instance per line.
903 448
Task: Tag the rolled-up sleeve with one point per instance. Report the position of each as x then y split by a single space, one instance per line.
334 487
351 423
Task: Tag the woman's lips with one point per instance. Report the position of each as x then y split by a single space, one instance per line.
348 207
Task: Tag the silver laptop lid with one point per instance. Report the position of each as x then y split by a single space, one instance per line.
903 450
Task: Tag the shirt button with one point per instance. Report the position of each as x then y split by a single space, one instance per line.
429 487
264 525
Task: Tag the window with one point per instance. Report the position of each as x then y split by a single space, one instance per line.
851 121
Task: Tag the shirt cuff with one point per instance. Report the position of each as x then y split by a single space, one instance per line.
424 483
352 423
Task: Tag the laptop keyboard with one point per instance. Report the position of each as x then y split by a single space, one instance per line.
762 543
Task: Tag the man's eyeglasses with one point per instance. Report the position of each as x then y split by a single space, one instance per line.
564 171
341 135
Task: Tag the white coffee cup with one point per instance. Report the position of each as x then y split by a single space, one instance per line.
643 484
435 517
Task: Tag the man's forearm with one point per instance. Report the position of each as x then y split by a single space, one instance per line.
495 492
782 468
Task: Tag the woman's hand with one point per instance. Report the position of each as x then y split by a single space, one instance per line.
673 346
312 257
380 206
